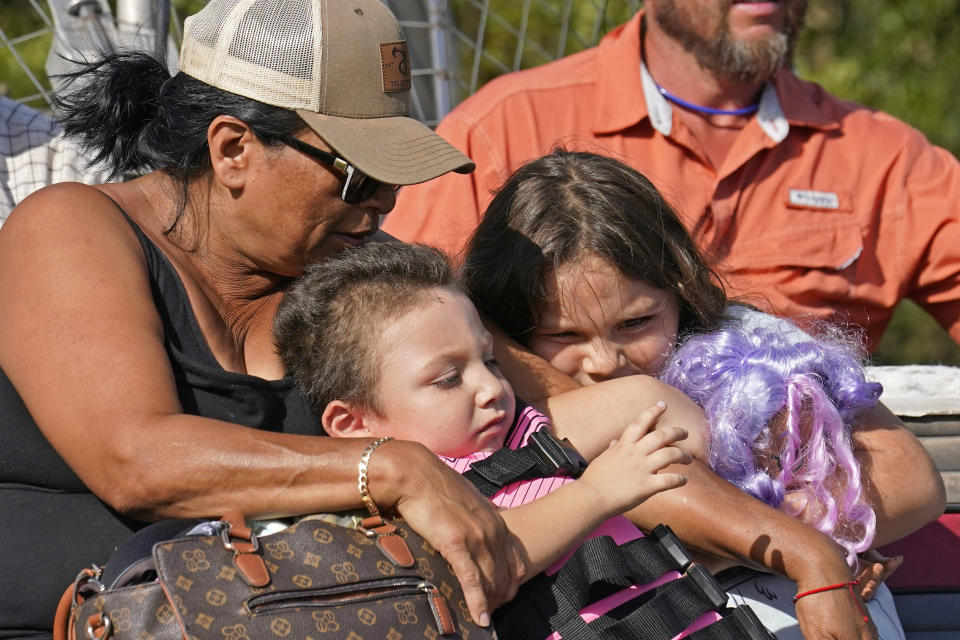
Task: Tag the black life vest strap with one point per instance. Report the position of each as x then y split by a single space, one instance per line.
601 560
670 609
542 457
739 623
661 613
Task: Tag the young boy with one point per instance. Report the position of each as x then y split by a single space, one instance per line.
385 345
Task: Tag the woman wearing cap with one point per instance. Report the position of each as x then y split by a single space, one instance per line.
138 379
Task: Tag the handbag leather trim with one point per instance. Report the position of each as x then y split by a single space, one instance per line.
390 544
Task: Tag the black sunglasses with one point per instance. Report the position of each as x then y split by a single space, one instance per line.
357 186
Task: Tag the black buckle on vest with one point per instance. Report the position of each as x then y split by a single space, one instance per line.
674 548
558 456
751 624
708 586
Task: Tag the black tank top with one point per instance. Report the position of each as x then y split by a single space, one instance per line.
51 526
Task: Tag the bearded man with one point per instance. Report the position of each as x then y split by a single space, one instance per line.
806 204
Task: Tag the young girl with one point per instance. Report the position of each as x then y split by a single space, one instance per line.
604 281
379 338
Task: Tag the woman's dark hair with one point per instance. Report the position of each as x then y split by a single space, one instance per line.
133 116
327 324
567 205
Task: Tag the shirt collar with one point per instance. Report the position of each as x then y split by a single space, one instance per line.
623 102
804 102
659 109
770 114
620 98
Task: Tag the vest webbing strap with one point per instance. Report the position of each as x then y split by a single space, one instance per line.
542 457
599 563
671 608
601 560
660 614
740 623
599 567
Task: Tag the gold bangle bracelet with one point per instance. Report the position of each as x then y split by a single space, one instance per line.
362 483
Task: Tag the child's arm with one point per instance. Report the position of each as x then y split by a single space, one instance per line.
618 479
609 406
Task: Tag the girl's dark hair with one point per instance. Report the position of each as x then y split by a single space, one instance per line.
129 113
327 324
564 206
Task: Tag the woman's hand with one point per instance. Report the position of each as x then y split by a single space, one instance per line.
455 518
837 614
873 569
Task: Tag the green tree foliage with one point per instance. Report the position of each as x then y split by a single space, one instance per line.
27 27
899 56
526 33
18 21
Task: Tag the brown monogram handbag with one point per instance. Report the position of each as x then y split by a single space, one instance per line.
314 579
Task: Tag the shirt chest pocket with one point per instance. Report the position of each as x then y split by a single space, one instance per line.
807 230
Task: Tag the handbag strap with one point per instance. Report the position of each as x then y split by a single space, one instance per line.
239 538
387 540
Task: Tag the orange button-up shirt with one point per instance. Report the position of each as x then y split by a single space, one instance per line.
822 207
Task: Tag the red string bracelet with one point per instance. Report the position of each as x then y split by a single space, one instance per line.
839 585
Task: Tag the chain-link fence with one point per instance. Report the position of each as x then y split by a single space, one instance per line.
25 36
457 45
491 37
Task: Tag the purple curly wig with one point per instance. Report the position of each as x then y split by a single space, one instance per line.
780 405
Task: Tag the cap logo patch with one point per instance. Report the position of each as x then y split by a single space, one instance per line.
395 58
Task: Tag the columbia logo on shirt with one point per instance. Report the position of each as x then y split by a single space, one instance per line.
814 199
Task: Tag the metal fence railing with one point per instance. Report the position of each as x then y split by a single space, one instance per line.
21 36
456 45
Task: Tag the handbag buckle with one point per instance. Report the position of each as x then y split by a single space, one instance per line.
88 576
103 623
228 542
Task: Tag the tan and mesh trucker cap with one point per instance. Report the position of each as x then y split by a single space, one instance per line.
343 65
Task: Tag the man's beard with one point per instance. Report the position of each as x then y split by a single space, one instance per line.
735 60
